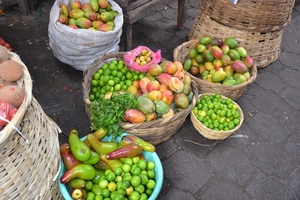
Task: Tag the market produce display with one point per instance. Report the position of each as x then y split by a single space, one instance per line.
122 95
219 61
94 15
99 168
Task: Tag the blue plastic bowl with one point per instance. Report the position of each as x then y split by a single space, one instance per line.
64 188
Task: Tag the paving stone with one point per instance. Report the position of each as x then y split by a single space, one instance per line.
271 160
292 146
236 170
268 128
264 79
291 95
263 100
223 190
176 194
266 187
242 138
292 61
187 171
294 182
165 148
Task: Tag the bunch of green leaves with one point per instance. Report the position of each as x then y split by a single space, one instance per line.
109 112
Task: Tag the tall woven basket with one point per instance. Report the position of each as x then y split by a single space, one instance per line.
264 47
156 131
233 92
29 168
250 15
26 83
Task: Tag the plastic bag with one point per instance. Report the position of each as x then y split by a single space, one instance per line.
132 65
79 48
7 112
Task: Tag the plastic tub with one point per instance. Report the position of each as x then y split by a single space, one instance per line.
64 188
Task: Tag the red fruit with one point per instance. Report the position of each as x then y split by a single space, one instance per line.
134 116
249 62
239 66
217 52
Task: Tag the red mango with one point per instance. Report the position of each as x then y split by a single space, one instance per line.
68 158
134 116
82 171
128 151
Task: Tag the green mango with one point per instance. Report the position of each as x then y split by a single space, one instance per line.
95 5
78 148
229 81
106 16
161 107
218 76
83 22
146 105
205 40
76 13
231 42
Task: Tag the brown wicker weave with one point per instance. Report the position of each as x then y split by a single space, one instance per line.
154 132
250 15
30 171
26 83
233 92
212 134
264 47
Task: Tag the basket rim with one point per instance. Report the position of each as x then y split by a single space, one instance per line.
26 83
228 132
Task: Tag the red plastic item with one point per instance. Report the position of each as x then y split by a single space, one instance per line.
5 44
7 111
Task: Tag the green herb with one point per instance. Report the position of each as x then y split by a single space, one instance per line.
107 113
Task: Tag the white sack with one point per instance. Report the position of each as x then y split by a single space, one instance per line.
79 48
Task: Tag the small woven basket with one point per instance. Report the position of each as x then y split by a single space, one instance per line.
156 131
233 92
26 83
29 171
212 134
250 15
264 47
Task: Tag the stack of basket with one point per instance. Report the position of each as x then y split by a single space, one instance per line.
30 163
257 25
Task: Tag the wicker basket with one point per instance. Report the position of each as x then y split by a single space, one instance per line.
29 171
212 134
233 92
154 132
26 83
264 47
250 15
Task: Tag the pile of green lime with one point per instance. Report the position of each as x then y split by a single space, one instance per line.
112 77
134 180
217 113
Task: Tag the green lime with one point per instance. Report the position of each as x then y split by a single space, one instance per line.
135 180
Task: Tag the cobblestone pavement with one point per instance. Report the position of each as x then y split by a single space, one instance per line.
260 161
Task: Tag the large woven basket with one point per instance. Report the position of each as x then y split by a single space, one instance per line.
264 47
156 131
213 134
26 83
250 15
29 171
233 92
